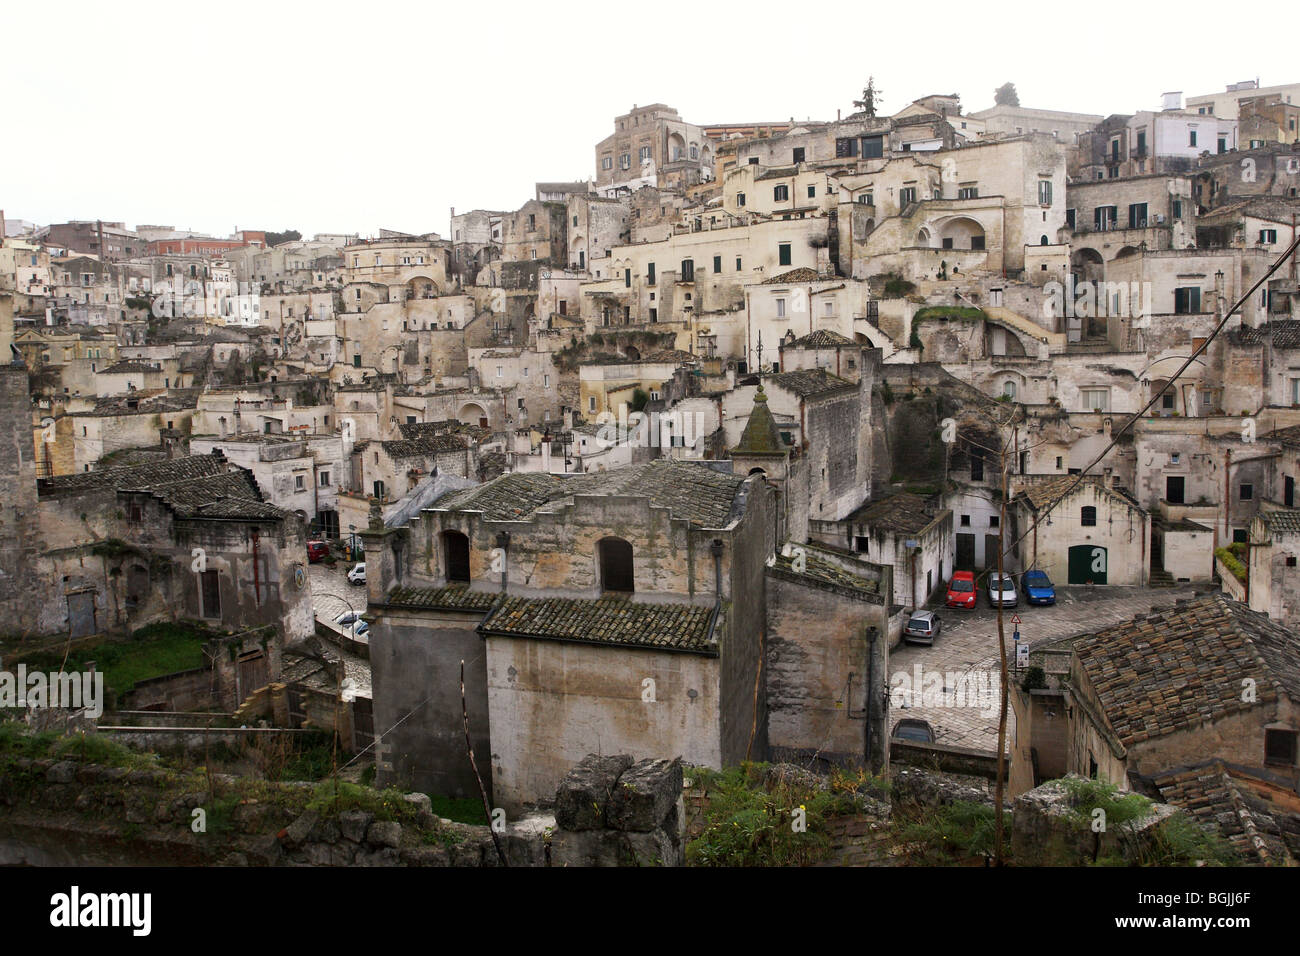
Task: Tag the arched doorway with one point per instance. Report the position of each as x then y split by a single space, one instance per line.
616 567
961 232
473 414
455 556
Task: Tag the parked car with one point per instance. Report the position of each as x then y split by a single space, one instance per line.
1038 587
359 628
317 551
346 618
1002 590
913 728
358 574
922 627
961 590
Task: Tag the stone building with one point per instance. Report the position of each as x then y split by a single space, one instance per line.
1081 531
123 547
652 146
1206 678
615 612
1272 577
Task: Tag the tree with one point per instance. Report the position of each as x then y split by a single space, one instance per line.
1005 95
289 235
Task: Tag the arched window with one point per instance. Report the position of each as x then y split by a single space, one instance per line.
1042 241
615 565
455 556
1088 516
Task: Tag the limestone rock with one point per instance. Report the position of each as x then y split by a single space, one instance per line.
645 795
583 794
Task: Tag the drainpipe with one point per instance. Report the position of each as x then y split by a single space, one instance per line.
503 542
257 585
715 549
1227 496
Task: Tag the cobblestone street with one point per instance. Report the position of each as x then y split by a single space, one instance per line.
331 593
968 643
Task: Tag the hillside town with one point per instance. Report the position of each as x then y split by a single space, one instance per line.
904 458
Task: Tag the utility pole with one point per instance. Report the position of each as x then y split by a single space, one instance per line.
1002 661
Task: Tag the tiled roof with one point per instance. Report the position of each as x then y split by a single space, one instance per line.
616 622
1287 436
692 491
669 355
1285 520
820 339
131 365
448 427
141 477
1043 494
903 513
807 382
453 597
1179 667
1282 334
1261 821
200 486
820 571
794 275
423 447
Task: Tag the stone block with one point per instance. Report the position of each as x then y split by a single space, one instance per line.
583 795
384 833
645 795
353 824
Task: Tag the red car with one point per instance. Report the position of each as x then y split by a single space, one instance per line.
961 590
317 551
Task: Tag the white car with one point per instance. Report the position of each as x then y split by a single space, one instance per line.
358 574
1002 591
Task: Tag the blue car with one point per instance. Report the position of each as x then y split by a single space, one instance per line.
1038 587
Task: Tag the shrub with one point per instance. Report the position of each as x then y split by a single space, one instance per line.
1231 563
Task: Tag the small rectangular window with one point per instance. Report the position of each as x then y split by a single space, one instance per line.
783 254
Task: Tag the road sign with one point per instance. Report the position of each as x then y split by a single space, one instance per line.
1022 655
1015 619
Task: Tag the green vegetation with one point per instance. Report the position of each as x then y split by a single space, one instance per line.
896 287
640 398
461 809
1035 679
1176 842
947 313
956 833
153 651
1231 563
751 814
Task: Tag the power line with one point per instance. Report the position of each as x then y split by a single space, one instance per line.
1115 436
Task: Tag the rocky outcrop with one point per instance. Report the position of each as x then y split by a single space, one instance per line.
639 807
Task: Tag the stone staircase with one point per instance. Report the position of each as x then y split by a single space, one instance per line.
1160 578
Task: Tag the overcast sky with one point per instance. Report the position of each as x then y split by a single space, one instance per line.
348 117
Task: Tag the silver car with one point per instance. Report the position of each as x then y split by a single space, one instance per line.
922 627
1002 590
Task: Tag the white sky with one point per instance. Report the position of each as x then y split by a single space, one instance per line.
345 117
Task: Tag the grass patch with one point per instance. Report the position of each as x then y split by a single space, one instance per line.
750 819
958 832
153 651
461 809
946 313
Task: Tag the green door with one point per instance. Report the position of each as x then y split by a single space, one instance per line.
1088 563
